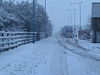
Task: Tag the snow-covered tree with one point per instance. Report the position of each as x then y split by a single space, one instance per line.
19 17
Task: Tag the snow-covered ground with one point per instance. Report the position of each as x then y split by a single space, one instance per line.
80 61
47 57
30 59
41 58
95 47
88 48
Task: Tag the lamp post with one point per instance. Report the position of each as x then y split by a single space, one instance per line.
80 7
75 22
33 26
73 16
69 20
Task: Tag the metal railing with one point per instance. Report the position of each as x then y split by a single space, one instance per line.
10 40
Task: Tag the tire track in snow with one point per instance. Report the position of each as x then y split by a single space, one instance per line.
59 62
79 51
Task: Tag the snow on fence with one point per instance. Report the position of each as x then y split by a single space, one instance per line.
10 40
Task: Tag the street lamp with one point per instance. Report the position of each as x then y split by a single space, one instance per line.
73 15
71 19
68 18
80 5
73 10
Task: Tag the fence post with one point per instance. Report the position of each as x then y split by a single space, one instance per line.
10 40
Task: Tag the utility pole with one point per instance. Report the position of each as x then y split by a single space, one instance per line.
33 26
74 19
80 7
71 20
74 22
73 15
45 5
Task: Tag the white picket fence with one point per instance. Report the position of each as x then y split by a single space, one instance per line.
10 40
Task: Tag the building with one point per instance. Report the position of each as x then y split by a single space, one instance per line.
96 22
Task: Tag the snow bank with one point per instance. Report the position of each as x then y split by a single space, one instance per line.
84 49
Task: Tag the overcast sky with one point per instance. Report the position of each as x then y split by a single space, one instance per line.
57 11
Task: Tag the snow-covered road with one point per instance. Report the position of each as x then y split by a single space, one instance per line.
46 57
80 62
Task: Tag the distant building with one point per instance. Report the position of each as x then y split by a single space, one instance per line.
96 22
